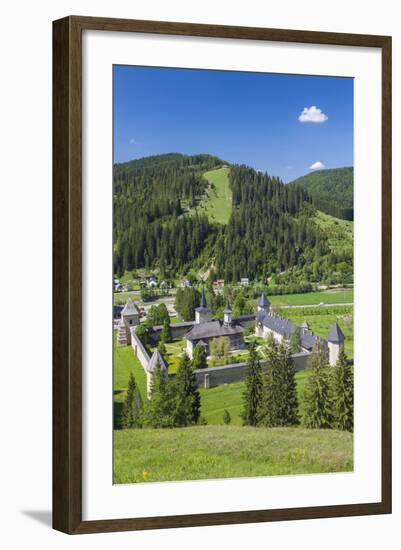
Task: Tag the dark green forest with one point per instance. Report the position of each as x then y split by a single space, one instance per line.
331 191
271 230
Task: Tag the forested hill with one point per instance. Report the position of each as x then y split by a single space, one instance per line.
163 220
331 191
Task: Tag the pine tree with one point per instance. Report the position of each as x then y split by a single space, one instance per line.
199 359
162 347
295 340
343 394
160 409
270 409
317 402
132 413
165 335
187 394
289 405
226 417
253 388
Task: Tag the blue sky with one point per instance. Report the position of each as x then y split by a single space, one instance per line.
246 118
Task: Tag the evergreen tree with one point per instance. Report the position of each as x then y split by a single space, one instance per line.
343 394
289 409
199 359
132 413
295 340
271 404
162 347
253 388
160 409
187 394
317 402
165 335
226 417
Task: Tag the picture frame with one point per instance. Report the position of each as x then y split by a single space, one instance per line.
68 272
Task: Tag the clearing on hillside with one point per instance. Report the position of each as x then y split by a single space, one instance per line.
340 233
218 204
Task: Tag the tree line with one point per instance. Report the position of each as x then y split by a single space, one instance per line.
271 232
270 397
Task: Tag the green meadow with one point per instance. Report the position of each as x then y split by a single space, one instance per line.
329 297
208 452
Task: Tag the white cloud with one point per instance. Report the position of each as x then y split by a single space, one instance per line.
317 165
312 114
133 141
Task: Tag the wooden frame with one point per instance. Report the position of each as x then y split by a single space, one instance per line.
67 274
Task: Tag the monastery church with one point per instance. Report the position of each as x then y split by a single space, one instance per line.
204 329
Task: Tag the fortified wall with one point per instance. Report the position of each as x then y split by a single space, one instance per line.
212 376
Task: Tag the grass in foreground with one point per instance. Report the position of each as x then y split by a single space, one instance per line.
210 452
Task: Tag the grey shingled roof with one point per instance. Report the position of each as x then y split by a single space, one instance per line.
336 335
285 328
154 360
213 329
263 301
129 308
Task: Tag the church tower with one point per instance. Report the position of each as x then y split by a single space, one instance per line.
335 342
203 313
263 304
227 316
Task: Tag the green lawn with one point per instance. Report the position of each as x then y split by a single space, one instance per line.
207 452
334 296
230 397
218 205
125 362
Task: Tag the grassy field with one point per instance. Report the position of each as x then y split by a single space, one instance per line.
333 296
218 205
125 362
207 452
230 397
340 233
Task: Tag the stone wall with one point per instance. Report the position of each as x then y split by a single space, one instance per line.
139 349
228 374
178 330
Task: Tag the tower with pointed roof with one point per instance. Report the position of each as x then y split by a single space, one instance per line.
202 313
335 341
129 318
227 316
156 361
263 304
